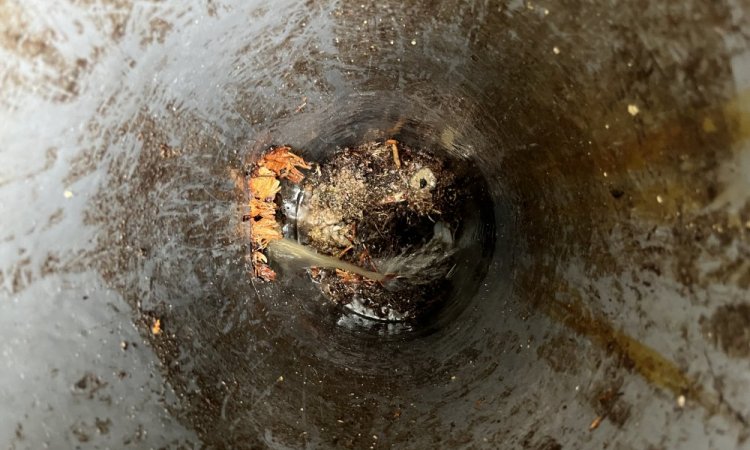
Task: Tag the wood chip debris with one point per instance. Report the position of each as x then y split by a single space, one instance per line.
348 277
156 327
263 184
302 105
284 163
353 278
595 423
394 148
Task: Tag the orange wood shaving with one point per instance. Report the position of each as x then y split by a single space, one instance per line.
595 423
348 277
259 258
260 267
261 208
284 164
264 231
394 148
264 272
264 188
264 185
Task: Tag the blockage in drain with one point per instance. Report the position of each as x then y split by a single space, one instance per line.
375 226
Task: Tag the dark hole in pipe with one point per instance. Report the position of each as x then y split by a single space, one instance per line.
428 242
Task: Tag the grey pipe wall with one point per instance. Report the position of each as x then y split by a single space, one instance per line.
614 141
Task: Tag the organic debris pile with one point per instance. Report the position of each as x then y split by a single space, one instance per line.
385 208
374 226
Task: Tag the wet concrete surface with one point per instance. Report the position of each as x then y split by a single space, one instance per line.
614 139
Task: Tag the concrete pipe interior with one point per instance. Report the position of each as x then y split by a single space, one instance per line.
611 308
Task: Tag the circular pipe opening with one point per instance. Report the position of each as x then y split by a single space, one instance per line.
421 217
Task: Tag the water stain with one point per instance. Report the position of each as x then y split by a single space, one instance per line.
637 356
654 367
559 352
729 328
159 29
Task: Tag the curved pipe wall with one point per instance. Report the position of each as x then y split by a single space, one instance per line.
613 139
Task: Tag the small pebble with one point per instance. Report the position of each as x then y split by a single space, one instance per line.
633 110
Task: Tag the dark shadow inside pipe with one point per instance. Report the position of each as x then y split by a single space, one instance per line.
474 211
